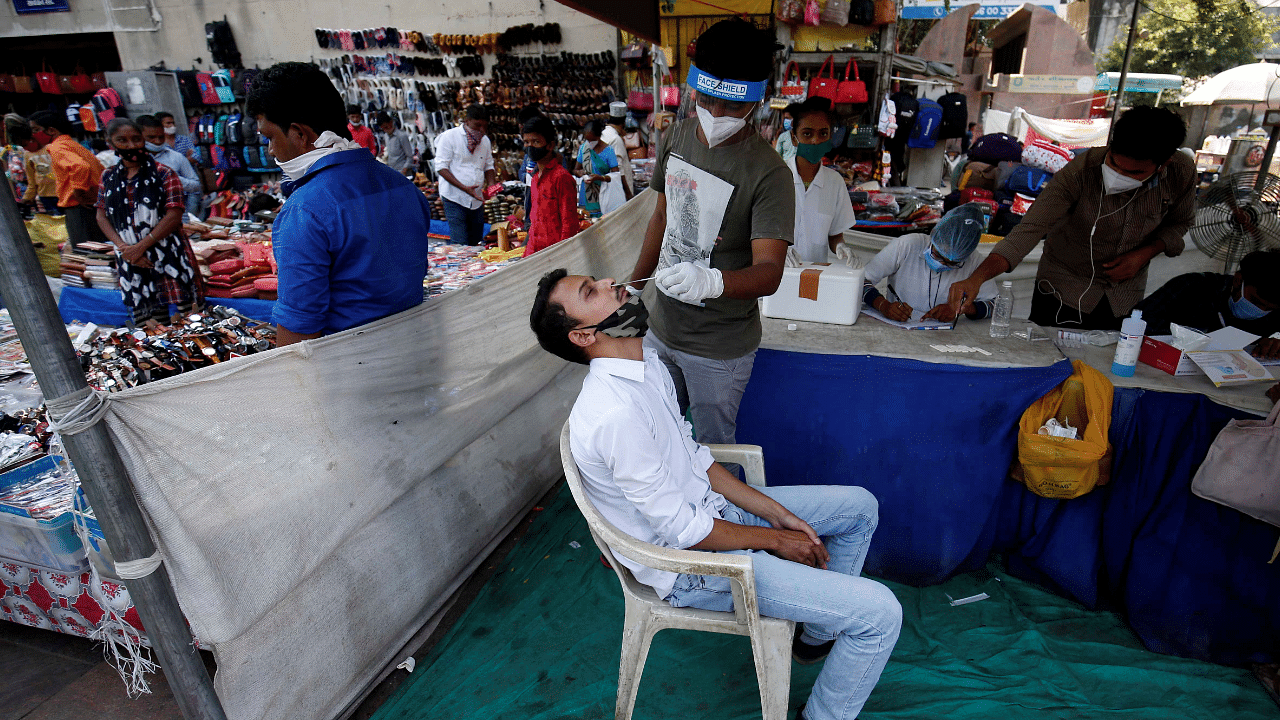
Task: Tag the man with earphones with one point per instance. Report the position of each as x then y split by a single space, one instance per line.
1103 218
719 233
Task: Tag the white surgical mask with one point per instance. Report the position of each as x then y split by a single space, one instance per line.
1114 182
171 130
719 129
327 144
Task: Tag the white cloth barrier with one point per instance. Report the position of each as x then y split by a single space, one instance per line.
316 504
1071 133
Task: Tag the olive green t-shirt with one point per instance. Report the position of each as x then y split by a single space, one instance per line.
718 200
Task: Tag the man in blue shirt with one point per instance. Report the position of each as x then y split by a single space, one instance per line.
153 135
351 239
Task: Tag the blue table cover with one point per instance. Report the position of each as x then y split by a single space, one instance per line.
934 443
104 307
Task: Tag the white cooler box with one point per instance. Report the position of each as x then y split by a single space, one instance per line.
817 292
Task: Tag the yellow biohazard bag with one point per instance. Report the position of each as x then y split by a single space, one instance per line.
47 233
1061 467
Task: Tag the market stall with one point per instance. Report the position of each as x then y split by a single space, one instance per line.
932 435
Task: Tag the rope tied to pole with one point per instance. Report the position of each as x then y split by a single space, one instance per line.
140 568
77 411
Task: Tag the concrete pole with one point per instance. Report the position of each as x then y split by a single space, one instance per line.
105 481
1124 69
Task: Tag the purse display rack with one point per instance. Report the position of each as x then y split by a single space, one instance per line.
509 40
120 359
78 82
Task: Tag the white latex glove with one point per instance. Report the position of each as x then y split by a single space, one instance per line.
690 283
793 257
844 251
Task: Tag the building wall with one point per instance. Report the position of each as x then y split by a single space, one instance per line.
270 31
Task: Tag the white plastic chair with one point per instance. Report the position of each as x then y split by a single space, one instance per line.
646 613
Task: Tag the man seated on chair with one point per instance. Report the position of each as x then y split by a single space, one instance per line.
644 472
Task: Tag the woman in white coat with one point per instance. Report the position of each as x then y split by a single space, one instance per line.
823 208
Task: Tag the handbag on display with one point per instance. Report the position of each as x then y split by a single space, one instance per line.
1240 469
825 87
835 13
1045 156
886 12
691 49
98 80
790 11
22 82
670 95
48 81
640 100
862 12
792 90
6 83
851 91
635 55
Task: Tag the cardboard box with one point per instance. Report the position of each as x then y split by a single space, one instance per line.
817 292
1158 353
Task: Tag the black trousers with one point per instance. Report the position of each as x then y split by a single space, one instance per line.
82 226
1048 311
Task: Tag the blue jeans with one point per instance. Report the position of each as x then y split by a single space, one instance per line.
861 615
466 226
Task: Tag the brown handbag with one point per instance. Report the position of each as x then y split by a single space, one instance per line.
22 82
6 83
886 12
99 80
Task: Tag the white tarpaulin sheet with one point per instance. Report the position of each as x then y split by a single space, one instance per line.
1071 133
317 503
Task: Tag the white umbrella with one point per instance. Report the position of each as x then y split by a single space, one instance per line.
1253 83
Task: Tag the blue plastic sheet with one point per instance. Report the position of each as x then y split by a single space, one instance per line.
934 444
104 307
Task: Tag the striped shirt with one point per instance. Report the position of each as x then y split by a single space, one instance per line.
1065 215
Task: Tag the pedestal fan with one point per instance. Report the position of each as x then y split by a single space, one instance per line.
1236 216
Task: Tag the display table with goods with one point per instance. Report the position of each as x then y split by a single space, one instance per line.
928 421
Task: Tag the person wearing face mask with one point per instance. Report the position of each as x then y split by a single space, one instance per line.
464 162
153 136
718 237
643 471
554 193
1249 300
360 132
920 269
612 134
77 174
179 142
140 211
595 161
823 208
1103 218
351 240
786 142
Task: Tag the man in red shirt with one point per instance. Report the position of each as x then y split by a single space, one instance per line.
77 174
359 131
555 193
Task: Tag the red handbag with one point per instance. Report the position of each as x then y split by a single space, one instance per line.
6 83
48 81
851 91
691 50
824 87
81 82
790 89
671 96
640 100
99 80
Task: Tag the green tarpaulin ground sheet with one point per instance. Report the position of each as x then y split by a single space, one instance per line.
542 639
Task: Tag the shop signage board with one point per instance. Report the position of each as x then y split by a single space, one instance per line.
1052 84
24 7
937 9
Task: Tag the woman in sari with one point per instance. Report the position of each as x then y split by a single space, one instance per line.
595 161
140 210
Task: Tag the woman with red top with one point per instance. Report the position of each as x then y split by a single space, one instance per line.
554 214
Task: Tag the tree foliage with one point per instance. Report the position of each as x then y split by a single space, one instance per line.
1193 39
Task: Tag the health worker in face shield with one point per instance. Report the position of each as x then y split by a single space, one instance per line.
921 268
823 208
718 237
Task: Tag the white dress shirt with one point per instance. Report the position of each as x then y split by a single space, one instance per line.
639 463
823 209
467 167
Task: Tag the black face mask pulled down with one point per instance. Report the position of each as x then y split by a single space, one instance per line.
536 154
630 320
133 155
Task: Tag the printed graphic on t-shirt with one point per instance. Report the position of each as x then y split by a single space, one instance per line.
696 205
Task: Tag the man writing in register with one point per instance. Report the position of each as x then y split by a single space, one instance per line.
1102 218
643 471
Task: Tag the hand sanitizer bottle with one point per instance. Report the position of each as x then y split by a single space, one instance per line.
1131 332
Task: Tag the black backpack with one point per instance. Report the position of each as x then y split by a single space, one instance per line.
955 115
222 44
189 88
907 106
862 12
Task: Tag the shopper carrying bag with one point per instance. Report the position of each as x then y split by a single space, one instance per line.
1240 470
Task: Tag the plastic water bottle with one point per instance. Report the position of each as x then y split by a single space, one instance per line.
1003 312
1077 339
1131 332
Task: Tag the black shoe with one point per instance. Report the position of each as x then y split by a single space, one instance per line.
807 654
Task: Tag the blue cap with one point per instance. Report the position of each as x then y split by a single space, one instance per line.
736 90
957 234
